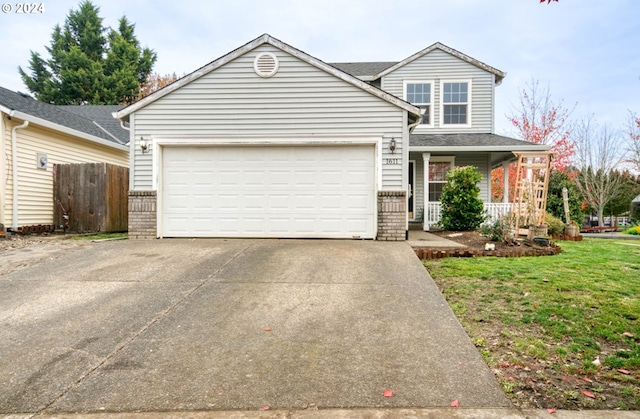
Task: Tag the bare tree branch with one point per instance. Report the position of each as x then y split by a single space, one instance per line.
633 130
599 154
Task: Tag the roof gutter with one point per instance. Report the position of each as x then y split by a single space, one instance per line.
66 130
14 169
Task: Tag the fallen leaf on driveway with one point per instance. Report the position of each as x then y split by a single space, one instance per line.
454 403
621 371
551 411
627 334
265 408
387 393
267 329
589 394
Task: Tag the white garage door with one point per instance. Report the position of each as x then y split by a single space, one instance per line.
276 191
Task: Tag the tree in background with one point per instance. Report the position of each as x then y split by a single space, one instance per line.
598 158
629 189
539 120
555 204
85 66
462 208
633 129
155 82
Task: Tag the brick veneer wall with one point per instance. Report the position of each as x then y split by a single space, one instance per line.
392 215
142 215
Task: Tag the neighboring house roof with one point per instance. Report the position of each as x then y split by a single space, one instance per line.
101 115
364 71
82 123
438 46
262 40
636 199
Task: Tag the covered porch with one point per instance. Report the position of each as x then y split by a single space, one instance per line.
431 156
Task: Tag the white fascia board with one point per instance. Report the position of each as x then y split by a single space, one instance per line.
267 39
451 149
66 130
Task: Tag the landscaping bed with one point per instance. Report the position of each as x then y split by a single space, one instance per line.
475 244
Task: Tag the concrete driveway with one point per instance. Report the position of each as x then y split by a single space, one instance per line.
168 325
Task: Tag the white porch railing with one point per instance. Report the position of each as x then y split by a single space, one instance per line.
493 210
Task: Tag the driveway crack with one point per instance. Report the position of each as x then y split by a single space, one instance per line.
146 327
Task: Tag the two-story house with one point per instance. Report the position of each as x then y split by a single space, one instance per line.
269 141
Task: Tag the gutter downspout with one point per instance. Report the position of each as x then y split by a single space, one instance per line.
14 170
411 127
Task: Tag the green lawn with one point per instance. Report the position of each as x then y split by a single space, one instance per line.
555 315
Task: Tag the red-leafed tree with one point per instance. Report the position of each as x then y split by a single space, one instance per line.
539 120
155 82
633 130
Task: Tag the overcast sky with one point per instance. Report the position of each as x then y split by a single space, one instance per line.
585 51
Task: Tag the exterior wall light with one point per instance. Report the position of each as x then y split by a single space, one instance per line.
392 145
144 145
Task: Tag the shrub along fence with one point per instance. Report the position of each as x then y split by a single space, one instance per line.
90 197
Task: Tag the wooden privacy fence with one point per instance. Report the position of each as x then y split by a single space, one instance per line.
90 197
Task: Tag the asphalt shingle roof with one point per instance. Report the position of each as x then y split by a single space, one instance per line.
466 140
363 69
88 121
102 115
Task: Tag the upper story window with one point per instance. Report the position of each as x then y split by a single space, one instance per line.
455 103
419 94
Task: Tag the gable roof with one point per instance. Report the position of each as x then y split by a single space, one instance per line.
89 124
262 40
438 46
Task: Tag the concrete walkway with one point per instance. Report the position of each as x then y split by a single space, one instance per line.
419 238
611 235
389 413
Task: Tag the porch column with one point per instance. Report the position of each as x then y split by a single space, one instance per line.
505 194
425 191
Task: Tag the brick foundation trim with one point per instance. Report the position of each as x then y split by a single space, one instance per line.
392 215
142 215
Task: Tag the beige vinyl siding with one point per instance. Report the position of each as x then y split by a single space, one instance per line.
479 160
299 101
439 66
35 186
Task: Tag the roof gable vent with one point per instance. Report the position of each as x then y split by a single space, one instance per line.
266 64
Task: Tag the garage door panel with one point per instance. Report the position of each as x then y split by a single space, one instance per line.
288 191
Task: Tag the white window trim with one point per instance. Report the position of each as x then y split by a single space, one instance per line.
431 94
438 159
469 101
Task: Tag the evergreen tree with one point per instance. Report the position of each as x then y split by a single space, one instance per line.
555 203
87 66
462 208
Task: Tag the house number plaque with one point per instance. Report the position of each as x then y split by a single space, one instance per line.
392 161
